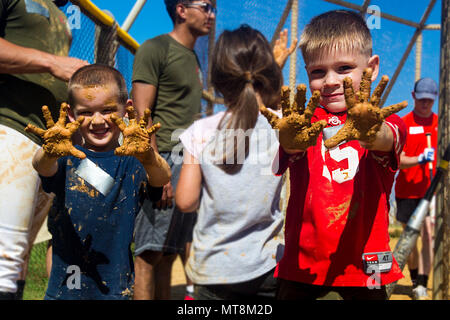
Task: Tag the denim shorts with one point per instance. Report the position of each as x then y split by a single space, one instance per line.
165 230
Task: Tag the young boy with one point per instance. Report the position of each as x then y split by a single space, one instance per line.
337 217
99 186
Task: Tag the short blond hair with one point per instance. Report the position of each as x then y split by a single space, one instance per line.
336 30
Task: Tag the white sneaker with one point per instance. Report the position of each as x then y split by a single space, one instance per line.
420 293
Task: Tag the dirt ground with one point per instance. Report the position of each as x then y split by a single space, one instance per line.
401 292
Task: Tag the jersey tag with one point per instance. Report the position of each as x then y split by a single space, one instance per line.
416 130
377 262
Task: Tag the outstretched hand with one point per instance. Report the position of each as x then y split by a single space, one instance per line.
58 136
296 130
364 116
280 50
136 136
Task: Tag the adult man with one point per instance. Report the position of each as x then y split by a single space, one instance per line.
34 44
414 177
167 78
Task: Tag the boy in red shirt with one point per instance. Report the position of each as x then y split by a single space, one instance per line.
414 177
337 217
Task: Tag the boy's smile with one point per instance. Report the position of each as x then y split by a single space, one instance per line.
327 70
97 104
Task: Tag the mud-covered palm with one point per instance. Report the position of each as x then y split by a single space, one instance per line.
136 136
364 116
295 129
58 136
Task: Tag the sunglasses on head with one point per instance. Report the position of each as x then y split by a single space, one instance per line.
206 7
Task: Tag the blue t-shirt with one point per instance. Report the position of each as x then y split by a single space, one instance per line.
92 223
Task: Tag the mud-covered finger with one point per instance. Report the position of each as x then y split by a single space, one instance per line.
270 116
131 114
77 153
313 103
378 92
48 117
386 112
120 151
366 83
118 121
300 99
154 128
349 93
339 137
317 127
35 130
285 103
73 126
63 114
146 117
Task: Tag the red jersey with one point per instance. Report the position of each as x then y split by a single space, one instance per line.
412 183
338 209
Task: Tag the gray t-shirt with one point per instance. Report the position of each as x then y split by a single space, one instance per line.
239 231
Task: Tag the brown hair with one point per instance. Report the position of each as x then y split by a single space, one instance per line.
243 65
336 30
94 75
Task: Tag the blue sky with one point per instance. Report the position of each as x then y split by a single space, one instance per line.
390 38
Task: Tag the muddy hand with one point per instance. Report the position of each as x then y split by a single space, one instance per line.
364 116
280 50
58 136
296 130
136 136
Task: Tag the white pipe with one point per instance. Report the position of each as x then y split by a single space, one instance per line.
419 57
133 14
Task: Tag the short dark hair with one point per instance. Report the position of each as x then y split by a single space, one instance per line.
171 6
97 74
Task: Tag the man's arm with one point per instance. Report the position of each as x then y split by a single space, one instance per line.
18 59
408 162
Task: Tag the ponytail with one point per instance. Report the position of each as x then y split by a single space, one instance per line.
242 67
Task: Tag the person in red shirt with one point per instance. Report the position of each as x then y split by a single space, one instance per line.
336 231
414 177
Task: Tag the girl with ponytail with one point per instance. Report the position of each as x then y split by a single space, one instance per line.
226 174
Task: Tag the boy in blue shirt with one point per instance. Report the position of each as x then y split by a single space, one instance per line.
99 185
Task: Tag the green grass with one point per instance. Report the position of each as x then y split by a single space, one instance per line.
36 282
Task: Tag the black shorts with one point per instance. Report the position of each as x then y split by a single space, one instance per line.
405 208
292 290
